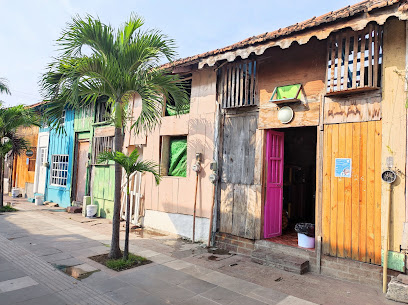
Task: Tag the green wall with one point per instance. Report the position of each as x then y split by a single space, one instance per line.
103 188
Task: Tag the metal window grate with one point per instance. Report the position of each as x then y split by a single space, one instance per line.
237 84
101 144
355 59
59 170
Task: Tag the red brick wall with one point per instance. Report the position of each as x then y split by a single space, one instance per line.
234 244
340 268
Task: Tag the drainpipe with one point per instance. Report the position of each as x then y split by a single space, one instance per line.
388 176
387 229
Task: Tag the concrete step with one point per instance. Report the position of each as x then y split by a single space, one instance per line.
280 260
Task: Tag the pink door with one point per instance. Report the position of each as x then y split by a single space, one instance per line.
274 184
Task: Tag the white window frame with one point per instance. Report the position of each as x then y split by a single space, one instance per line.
57 176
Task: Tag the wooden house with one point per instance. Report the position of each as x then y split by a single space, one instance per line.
23 168
93 134
59 155
309 118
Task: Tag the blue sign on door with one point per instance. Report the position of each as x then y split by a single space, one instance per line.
342 168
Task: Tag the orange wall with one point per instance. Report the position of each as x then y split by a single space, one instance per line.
304 65
21 175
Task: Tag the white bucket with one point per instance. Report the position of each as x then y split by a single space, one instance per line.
91 210
15 192
39 200
305 241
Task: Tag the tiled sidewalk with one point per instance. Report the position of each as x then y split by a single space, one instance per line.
35 240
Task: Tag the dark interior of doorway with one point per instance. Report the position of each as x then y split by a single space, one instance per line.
299 181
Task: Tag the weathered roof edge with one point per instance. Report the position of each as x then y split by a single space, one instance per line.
367 6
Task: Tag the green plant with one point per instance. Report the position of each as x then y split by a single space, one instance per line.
121 263
7 208
119 65
130 164
3 86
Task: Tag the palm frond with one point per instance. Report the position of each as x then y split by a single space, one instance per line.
3 86
120 64
147 167
131 163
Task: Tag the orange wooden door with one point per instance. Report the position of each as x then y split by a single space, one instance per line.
82 161
352 206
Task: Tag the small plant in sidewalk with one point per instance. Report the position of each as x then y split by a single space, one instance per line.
130 164
121 263
7 208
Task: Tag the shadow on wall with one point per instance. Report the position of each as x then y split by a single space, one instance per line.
201 140
179 224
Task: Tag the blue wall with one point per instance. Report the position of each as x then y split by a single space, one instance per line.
61 143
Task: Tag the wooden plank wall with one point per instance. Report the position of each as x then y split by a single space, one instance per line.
352 206
354 108
84 118
240 202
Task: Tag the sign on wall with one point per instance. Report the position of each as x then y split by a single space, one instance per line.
342 168
29 153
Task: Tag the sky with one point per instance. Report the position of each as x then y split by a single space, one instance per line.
29 28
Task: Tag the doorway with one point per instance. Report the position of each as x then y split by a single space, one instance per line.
41 163
81 169
291 182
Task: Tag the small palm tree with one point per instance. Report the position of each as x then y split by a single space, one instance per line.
3 86
130 164
97 60
11 119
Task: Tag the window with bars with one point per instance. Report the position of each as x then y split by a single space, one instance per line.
237 84
59 170
101 144
355 59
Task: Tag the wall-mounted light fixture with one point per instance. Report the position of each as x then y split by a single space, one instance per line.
285 115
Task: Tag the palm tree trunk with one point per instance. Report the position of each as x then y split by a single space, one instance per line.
115 252
2 180
10 182
126 250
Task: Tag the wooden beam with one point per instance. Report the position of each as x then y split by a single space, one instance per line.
346 60
362 59
339 61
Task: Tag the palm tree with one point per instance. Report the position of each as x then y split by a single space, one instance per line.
3 86
11 119
19 145
130 164
97 60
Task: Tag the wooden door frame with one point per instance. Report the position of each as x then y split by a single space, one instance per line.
319 181
75 164
265 181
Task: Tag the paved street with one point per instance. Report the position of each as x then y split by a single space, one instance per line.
36 242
